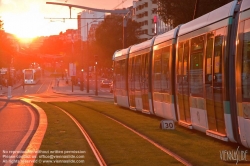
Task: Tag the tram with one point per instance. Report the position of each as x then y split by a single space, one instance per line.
197 74
31 76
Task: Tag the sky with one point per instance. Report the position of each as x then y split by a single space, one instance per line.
27 18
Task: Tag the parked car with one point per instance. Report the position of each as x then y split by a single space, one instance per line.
106 83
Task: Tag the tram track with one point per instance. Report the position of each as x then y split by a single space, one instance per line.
160 147
40 87
96 152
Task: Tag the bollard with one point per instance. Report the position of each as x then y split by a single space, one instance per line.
9 92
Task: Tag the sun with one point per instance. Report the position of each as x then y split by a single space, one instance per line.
25 25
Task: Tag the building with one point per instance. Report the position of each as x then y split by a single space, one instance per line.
85 19
145 13
70 36
92 29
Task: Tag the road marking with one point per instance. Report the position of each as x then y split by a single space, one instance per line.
27 135
40 86
36 140
49 86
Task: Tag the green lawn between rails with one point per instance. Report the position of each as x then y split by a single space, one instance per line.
119 146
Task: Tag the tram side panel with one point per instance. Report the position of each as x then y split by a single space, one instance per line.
201 87
243 74
139 77
120 81
120 77
139 81
163 93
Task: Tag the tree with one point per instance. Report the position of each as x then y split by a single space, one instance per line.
176 12
109 38
6 48
1 24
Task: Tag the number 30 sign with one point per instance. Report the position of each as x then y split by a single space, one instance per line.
167 124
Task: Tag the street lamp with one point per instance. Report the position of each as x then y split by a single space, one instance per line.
96 74
87 60
88 53
9 79
82 81
124 29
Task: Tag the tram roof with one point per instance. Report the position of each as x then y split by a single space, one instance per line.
142 46
245 5
169 35
121 54
209 18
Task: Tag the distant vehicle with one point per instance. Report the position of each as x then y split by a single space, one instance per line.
31 76
106 83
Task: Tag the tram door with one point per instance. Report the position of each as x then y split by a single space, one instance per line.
213 82
144 82
131 82
183 82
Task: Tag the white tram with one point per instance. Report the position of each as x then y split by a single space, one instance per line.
197 74
31 76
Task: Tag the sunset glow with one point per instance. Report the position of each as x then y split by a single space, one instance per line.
29 18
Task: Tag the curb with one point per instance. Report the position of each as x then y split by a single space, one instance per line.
36 141
102 97
70 93
90 95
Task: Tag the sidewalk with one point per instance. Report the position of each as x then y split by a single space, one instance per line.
4 90
64 88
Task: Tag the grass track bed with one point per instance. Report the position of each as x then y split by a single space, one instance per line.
62 134
118 145
192 145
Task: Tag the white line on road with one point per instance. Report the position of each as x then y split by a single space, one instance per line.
40 87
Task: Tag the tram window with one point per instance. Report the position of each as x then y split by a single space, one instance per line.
131 74
157 70
28 74
146 70
196 66
209 53
180 52
122 74
117 73
137 72
246 63
217 62
165 78
185 60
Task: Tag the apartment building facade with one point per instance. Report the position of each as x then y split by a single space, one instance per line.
85 19
145 13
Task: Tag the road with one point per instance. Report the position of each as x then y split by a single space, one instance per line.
18 122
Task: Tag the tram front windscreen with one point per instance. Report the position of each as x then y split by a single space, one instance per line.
28 74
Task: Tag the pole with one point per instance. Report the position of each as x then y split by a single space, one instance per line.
124 31
96 74
87 60
73 64
9 85
195 9
82 77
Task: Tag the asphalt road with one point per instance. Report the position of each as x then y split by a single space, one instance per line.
18 123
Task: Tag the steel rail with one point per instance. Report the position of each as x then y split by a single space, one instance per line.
89 140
